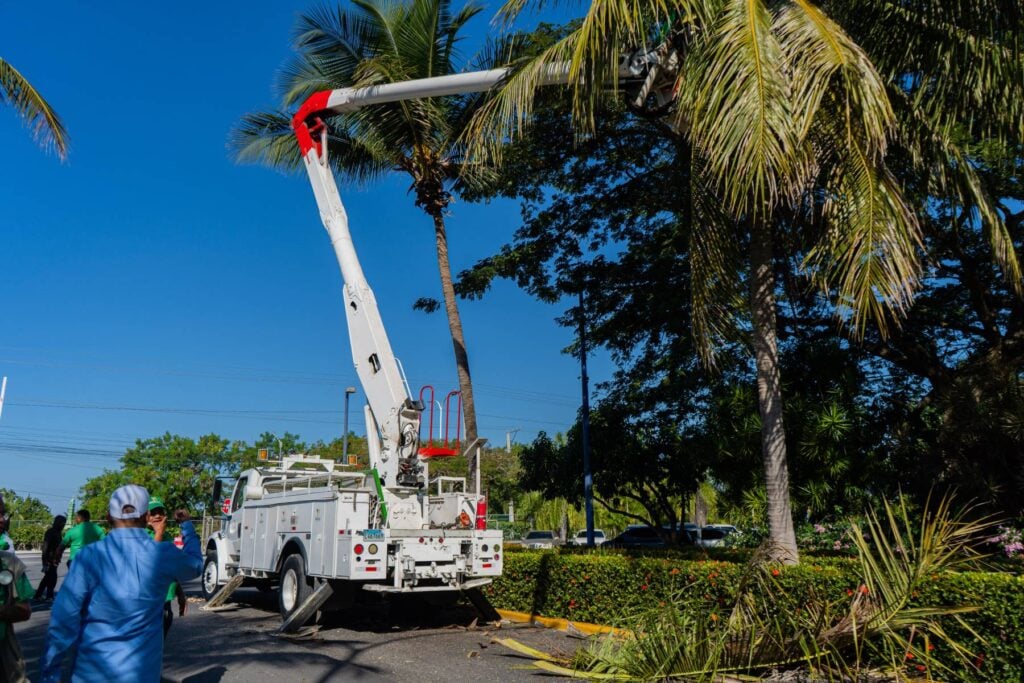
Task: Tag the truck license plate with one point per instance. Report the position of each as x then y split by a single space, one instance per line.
373 534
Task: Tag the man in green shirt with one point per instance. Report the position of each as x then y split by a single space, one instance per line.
157 527
15 593
81 534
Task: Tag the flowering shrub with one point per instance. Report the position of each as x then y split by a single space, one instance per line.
1010 542
824 537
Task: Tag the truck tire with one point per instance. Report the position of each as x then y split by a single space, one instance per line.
211 575
294 587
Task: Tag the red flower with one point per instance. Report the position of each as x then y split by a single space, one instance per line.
910 655
921 667
930 647
864 590
572 603
643 587
775 572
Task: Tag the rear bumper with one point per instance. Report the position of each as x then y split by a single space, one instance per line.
466 585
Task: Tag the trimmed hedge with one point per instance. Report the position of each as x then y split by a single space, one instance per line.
611 588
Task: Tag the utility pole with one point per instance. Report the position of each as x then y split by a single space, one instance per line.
344 439
509 433
588 479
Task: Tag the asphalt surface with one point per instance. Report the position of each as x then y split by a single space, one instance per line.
377 642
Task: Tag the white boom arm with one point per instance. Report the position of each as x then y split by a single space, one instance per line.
395 413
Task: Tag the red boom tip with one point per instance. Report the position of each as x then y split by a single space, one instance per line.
315 103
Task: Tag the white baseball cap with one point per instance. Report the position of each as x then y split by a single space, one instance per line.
129 502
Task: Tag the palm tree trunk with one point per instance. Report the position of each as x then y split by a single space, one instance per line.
781 537
458 340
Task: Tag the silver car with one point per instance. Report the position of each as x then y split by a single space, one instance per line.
581 537
537 540
714 535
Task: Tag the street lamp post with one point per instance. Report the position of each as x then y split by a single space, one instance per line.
588 480
344 439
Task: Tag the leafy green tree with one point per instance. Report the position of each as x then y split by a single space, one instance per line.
24 507
179 469
796 130
763 92
642 468
373 43
27 518
17 93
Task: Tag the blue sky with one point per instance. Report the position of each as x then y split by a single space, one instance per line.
150 284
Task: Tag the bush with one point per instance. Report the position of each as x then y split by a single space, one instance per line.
825 537
612 588
27 536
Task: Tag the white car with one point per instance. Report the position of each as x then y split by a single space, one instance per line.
540 540
714 535
581 537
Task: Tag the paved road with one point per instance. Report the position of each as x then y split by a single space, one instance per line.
377 643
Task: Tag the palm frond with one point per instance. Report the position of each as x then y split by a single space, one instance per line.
820 54
953 171
960 60
972 192
47 129
510 105
332 42
738 99
714 271
870 251
586 59
268 138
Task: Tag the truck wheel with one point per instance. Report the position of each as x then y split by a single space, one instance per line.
294 587
211 577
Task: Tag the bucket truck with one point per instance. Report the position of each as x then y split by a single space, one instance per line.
304 520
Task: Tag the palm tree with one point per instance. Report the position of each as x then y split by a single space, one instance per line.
373 43
792 122
42 120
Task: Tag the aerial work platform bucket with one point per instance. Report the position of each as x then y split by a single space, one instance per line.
448 446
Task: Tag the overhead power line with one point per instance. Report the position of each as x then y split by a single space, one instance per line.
283 376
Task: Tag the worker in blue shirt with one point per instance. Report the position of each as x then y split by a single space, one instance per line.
111 602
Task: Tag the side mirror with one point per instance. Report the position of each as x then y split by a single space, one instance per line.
218 488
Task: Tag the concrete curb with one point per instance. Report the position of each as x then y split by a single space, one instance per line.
560 624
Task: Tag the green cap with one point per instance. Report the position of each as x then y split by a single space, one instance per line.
156 502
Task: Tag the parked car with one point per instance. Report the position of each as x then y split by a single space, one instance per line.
581 537
637 536
714 535
536 540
